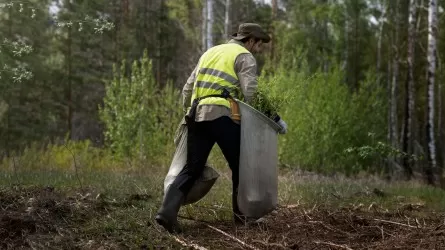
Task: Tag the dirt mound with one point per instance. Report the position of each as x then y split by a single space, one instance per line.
28 214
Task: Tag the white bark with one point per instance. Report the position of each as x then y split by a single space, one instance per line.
274 18
227 21
204 26
411 54
439 121
210 20
346 37
380 38
432 47
389 162
394 84
407 134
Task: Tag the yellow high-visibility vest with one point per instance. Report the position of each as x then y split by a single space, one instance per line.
215 72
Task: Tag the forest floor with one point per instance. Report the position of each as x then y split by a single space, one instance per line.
116 211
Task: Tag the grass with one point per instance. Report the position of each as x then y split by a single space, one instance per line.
116 209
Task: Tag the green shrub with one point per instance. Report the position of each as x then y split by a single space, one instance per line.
139 116
324 117
67 157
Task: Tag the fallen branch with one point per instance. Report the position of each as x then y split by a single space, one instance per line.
395 223
185 244
233 238
333 245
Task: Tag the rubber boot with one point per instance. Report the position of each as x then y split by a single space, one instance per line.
238 217
167 214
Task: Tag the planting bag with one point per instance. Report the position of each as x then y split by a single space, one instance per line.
258 171
204 183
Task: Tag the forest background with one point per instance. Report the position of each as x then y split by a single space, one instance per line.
96 84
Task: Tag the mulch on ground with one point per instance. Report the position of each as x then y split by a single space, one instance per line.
293 227
44 218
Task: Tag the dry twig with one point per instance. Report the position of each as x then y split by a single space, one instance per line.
185 244
395 223
75 166
233 237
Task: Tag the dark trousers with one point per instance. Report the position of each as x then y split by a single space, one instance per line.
223 131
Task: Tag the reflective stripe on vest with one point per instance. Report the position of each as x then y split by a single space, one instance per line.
216 71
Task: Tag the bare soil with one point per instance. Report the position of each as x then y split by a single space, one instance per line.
45 218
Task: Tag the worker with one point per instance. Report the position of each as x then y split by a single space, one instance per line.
223 72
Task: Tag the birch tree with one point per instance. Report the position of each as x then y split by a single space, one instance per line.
382 20
210 20
410 90
431 73
393 122
227 21
204 26
274 18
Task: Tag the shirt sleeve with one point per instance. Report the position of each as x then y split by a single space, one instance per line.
246 70
187 90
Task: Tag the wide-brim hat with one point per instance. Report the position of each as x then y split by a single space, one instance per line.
251 30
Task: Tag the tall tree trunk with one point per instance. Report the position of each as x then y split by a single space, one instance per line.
70 101
69 75
388 170
380 38
210 20
346 38
8 112
274 18
117 23
356 46
431 73
439 111
440 136
409 87
326 43
204 26
394 84
227 21
160 43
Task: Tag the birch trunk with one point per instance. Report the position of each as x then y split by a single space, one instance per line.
380 38
204 27
210 20
388 165
439 106
409 103
274 18
227 21
432 46
69 80
440 136
394 82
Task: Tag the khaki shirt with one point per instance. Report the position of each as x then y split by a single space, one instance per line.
246 70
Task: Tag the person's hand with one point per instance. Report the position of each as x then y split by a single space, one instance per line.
283 126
